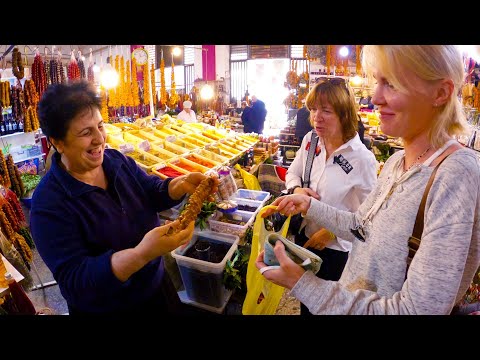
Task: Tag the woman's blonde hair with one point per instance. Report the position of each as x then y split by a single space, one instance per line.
429 63
340 96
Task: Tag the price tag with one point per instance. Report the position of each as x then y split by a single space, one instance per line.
171 138
144 145
126 148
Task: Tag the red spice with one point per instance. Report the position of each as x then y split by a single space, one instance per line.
170 172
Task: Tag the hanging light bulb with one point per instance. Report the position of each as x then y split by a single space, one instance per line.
108 76
343 51
206 92
176 51
96 68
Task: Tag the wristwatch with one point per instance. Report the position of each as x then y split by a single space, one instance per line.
292 189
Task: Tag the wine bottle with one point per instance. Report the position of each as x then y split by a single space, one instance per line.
23 303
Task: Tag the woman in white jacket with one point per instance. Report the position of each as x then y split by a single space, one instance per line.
343 172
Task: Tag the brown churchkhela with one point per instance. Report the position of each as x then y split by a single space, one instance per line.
194 205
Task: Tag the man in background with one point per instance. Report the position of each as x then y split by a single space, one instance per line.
257 115
246 121
187 114
302 125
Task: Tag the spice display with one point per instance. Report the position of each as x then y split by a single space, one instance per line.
142 158
194 204
170 172
199 161
186 167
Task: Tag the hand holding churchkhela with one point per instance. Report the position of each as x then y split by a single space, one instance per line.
194 205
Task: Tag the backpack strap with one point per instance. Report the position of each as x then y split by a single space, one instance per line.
310 157
416 237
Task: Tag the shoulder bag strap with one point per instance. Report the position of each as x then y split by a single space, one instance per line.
310 157
415 238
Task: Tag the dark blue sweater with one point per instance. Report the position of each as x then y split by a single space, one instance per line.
77 227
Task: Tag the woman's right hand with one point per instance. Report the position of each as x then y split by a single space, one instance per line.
156 242
306 191
290 205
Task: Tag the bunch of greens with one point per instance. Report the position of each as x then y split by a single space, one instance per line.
235 273
382 152
208 208
30 182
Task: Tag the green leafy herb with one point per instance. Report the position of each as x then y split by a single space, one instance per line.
208 208
234 275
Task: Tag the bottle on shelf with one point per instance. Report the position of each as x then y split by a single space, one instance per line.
23 304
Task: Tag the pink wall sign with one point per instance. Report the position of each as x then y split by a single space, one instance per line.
208 62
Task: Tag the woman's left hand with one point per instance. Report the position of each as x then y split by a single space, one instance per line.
289 272
187 184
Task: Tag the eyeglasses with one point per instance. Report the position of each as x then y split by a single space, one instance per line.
334 81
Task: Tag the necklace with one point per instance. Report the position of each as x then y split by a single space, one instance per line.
417 159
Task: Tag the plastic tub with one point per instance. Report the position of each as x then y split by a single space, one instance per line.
228 228
252 195
203 280
251 203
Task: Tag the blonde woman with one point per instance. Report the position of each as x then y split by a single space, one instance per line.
416 94
341 183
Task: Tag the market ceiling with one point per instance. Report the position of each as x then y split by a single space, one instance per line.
29 51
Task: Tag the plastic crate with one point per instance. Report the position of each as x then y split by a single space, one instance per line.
211 155
203 280
252 195
253 203
233 229
156 170
182 161
208 162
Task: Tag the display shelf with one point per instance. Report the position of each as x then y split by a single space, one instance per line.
16 275
40 156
